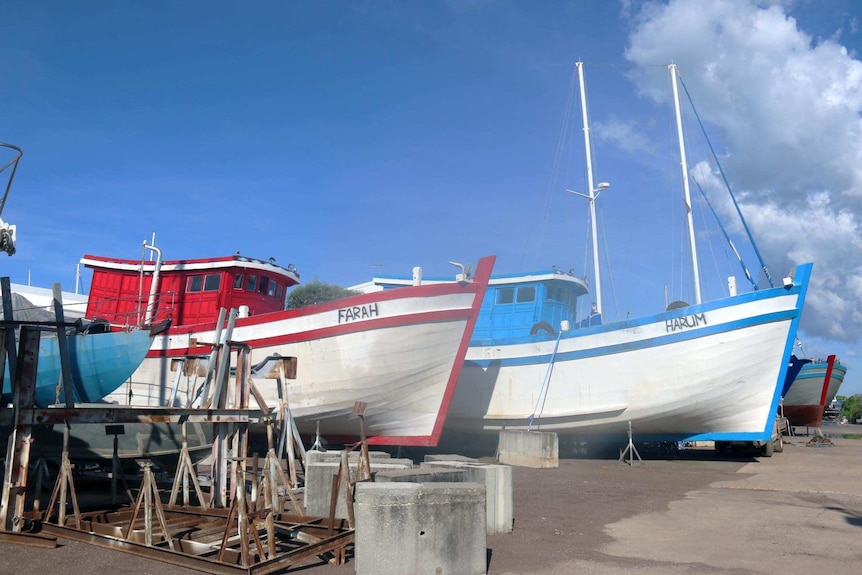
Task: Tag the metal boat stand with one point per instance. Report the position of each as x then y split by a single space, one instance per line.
631 450
343 482
149 499
273 482
64 480
289 441
117 474
186 472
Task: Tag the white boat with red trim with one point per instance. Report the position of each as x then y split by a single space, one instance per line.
398 352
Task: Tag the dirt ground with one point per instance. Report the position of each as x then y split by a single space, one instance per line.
605 517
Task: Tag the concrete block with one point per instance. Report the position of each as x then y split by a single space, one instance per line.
449 457
422 475
420 529
497 479
314 456
318 484
537 449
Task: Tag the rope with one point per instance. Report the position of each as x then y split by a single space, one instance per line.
545 383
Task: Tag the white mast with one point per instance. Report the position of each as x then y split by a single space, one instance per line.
684 167
594 192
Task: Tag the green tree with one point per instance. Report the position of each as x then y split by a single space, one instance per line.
852 408
316 292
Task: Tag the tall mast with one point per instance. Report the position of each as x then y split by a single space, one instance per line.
592 190
684 168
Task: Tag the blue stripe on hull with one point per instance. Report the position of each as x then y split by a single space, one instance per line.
639 344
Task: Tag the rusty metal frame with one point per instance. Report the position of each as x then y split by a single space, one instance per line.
201 536
90 413
252 537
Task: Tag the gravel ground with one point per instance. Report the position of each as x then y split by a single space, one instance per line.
692 514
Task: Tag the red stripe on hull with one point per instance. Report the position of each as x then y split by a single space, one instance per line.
830 362
482 276
389 322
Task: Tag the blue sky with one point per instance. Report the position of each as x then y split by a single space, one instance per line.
354 138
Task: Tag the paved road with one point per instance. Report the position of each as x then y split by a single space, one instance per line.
798 512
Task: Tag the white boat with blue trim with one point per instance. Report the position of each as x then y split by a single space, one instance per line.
706 371
703 372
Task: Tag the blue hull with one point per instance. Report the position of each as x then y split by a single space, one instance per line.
99 364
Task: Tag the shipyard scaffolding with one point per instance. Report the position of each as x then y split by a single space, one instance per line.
248 521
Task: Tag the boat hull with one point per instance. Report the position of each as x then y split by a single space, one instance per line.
99 363
157 442
711 371
400 352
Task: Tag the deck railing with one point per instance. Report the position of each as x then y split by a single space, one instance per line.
131 311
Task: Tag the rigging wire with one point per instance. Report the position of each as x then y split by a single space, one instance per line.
705 286
727 184
726 236
541 216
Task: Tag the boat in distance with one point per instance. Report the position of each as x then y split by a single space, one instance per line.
399 353
811 390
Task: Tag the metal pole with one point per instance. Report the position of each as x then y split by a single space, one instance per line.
597 280
684 168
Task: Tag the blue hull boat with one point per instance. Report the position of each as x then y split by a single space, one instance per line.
99 363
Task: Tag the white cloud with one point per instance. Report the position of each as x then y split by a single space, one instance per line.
624 134
787 109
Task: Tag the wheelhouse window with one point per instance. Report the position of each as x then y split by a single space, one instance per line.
237 281
280 292
271 291
568 296
251 283
561 294
505 295
264 282
209 282
212 282
526 294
